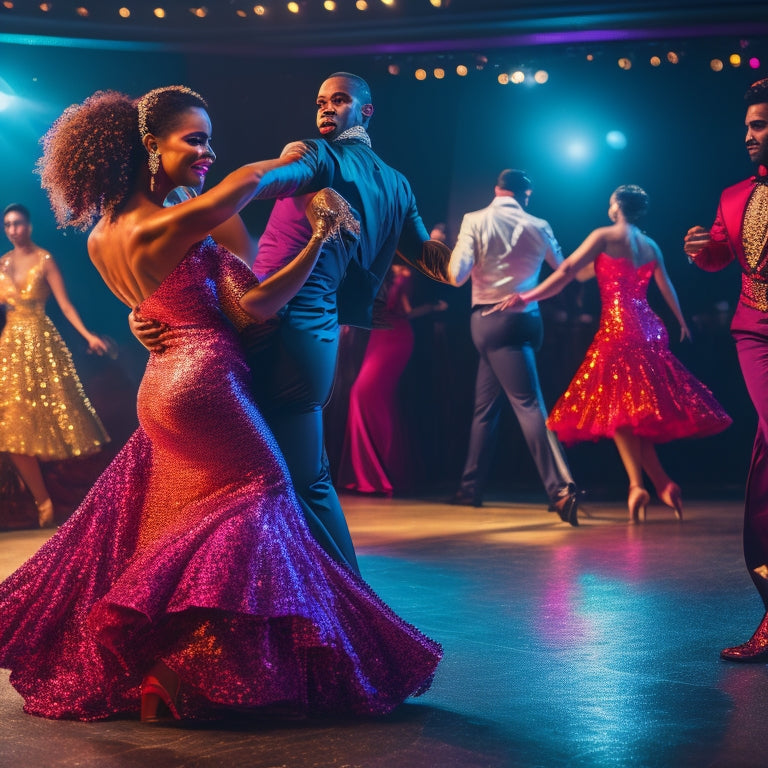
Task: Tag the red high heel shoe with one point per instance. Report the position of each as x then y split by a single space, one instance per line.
672 496
160 687
755 649
637 503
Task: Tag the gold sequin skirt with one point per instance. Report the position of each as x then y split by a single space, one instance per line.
44 411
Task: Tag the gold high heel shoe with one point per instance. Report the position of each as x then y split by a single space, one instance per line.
329 213
45 514
637 503
672 496
160 686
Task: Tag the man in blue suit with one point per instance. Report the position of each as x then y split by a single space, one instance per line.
294 357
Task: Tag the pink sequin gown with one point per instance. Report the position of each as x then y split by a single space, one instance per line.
191 548
629 378
373 458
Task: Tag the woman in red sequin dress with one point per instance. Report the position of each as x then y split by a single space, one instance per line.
188 582
630 387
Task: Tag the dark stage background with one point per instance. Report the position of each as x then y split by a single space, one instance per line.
684 130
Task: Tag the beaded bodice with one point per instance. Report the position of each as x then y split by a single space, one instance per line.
32 292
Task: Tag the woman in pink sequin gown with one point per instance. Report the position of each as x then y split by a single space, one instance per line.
630 387
374 458
188 579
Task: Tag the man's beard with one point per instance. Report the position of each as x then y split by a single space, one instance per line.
761 158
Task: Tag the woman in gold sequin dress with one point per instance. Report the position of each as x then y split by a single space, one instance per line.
630 387
188 582
44 413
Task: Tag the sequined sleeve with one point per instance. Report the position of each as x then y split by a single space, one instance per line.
233 280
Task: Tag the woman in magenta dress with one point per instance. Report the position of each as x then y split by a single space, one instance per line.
188 583
630 387
374 457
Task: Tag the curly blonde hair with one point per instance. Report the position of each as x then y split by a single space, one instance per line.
92 154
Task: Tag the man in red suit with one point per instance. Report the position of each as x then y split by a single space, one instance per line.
740 232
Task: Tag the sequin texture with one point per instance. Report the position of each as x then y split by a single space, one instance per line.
629 377
44 411
192 548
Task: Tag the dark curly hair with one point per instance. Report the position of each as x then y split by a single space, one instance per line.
632 200
92 154
757 93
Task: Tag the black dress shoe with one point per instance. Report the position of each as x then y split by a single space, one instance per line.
463 499
567 505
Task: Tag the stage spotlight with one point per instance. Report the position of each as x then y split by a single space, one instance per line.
616 140
734 60
655 61
393 69
754 63
259 10
503 79
716 65
329 5
160 13
673 58
624 63
293 7
241 13
577 150
420 74
7 96
125 13
541 77
517 77
82 11
439 73
361 5
461 70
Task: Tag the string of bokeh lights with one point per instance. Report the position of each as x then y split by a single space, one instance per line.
436 70
539 76
201 12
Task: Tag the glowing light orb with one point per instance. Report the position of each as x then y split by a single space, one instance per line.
616 140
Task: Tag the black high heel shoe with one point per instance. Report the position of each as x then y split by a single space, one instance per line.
567 505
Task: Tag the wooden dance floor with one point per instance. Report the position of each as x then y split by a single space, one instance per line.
594 647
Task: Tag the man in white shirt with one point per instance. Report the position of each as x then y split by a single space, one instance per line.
502 248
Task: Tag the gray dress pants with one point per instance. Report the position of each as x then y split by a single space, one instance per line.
507 343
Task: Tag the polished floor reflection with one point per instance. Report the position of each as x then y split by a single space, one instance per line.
585 647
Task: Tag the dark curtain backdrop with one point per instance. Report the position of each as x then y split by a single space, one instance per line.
684 130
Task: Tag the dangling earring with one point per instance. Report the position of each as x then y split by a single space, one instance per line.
154 167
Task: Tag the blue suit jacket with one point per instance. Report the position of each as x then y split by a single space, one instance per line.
348 272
